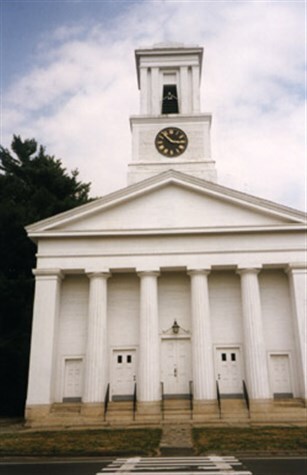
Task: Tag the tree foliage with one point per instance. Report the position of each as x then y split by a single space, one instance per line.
33 186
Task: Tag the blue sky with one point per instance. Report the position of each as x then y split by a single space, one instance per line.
24 24
68 79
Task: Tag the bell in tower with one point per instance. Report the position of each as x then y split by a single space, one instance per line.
170 99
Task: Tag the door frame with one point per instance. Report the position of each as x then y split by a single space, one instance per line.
63 399
291 373
173 337
242 368
111 378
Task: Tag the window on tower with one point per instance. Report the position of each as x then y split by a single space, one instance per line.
170 99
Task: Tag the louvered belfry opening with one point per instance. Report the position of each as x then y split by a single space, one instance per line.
170 99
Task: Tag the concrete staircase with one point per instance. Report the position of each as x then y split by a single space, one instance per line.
284 411
234 412
176 410
120 412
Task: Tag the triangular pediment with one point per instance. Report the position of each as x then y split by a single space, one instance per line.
170 202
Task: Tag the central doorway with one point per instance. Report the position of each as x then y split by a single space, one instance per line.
176 366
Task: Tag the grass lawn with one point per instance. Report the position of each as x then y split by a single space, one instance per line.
224 441
264 440
80 442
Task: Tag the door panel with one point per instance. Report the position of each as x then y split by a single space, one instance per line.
73 380
176 366
280 375
229 373
123 371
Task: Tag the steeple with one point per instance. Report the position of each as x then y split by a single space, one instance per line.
170 132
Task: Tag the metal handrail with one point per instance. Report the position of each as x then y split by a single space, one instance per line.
191 398
134 401
106 402
218 398
246 397
162 399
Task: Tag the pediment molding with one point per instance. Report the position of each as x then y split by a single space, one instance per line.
56 224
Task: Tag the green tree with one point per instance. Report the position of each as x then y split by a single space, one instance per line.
33 186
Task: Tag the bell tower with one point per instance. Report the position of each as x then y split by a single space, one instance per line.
170 132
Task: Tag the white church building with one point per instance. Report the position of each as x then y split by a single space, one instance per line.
175 297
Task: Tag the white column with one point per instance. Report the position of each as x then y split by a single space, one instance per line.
195 89
185 96
149 364
254 345
96 351
144 90
298 291
44 336
156 92
202 355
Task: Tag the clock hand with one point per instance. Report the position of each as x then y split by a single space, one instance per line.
165 135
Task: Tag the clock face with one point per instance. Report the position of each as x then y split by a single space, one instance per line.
171 142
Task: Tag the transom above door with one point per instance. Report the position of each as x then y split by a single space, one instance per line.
229 371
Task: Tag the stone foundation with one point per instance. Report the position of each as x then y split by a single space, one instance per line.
233 412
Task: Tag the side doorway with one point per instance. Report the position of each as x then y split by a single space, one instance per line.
229 371
123 374
73 380
280 376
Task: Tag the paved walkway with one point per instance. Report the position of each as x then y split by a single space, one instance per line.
176 439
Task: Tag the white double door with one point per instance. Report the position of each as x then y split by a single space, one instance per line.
229 371
176 370
123 374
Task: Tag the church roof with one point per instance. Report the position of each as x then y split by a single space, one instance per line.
193 204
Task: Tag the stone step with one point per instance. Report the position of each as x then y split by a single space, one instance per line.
66 408
291 402
234 409
120 406
176 404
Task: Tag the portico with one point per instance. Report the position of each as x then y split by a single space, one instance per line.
199 334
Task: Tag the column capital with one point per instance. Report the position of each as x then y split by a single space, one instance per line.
201 271
296 267
148 273
48 273
248 270
98 274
